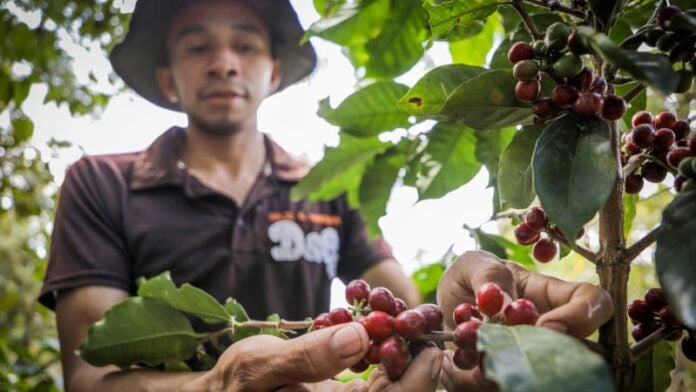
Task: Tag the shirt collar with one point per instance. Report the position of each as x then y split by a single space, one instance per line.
159 164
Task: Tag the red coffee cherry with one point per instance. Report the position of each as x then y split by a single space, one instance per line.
599 85
665 120
679 181
613 107
655 299
394 355
360 366
642 330
640 312
465 312
379 325
527 90
489 299
415 347
321 321
653 172
372 356
536 219
642 117
544 250
668 318
688 346
520 51
664 138
582 80
433 315
632 149
521 311
681 129
643 135
465 335
667 13
676 155
340 316
400 306
633 183
382 299
691 145
357 292
410 323
588 104
544 109
465 359
564 96
525 235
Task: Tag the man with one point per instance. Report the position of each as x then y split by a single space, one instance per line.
211 205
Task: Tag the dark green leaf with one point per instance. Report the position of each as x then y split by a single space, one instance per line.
674 256
20 92
22 129
485 102
653 69
525 358
378 181
489 146
354 24
449 160
139 330
515 173
605 10
574 170
474 50
400 43
341 169
369 111
431 91
446 15
652 369
187 298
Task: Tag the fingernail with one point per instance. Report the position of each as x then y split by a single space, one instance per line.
346 342
556 326
435 369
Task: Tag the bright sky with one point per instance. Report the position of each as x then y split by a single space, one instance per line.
419 233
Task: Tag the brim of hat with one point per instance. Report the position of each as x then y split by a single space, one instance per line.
135 58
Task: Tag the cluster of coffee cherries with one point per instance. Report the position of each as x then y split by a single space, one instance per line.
393 328
652 312
530 232
674 37
559 56
665 140
468 317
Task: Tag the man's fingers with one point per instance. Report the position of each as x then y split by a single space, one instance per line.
463 278
321 354
422 374
588 308
455 379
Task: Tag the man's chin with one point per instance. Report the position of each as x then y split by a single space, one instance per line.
218 128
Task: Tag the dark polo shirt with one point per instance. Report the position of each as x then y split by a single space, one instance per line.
124 216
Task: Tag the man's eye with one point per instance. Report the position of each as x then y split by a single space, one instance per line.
197 49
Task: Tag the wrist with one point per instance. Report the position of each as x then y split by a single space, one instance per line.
198 384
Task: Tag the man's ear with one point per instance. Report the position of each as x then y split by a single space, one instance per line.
276 77
165 81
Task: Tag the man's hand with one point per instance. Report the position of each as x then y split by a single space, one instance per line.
573 308
266 363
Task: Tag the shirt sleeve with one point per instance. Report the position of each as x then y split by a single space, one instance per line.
87 247
358 252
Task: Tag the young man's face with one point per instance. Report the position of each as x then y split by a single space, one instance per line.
221 66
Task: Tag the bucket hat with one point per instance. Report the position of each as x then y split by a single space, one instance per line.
136 58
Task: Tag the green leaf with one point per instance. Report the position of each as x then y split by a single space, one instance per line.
22 129
236 310
426 279
20 91
525 358
487 101
354 24
574 170
674 256
605 10
652 369
449 160
378 181
139 330
515 173
474 50
341 169
489 146
369 111
630 210
187 298
653 69
446 15
431 91
400 43
505 249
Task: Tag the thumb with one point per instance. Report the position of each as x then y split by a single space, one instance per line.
322 354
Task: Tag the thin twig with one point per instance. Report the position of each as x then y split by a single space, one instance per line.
634 92
586 253
559 8
633 163
436 336
650 341
518 5
634 250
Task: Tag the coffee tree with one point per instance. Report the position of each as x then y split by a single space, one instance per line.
550 97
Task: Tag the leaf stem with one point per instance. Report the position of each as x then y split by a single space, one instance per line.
559 7
634 250
518 5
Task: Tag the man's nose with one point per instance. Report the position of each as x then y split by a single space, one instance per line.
224 63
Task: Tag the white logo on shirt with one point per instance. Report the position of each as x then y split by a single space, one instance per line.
293 244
